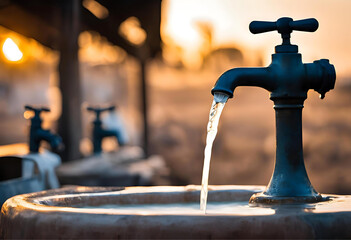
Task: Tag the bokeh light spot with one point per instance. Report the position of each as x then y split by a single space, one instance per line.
132 31
28 114
11 50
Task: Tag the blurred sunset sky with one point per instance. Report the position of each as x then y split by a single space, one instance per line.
230 19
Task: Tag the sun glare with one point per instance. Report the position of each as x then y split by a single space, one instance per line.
11 50
229 21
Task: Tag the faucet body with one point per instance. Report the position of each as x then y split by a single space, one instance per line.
99 133
288 80
286 77
38 134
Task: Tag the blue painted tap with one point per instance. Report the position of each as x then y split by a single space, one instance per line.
99 133
38 134
288 80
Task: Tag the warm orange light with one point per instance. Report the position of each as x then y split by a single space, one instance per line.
96 8
11 50
14 149
95 50
131 30
28 114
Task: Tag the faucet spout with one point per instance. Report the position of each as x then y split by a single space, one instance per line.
54 140
113 133
108 133
99 134
257 77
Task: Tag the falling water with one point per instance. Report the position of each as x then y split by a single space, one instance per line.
216 109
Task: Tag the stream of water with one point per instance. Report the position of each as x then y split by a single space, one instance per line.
215 113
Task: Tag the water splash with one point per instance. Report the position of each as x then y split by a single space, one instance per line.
216 109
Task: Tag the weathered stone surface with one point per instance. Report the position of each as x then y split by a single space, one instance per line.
54 214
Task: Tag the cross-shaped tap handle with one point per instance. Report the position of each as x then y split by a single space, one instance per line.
284 26
37 110
99 110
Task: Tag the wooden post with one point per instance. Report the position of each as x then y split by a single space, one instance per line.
70 121
144 106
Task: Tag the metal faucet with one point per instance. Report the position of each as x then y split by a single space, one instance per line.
99 133
288 80
37 134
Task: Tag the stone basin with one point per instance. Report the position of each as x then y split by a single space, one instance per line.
168 212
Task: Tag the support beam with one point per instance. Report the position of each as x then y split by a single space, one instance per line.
144 106
70 121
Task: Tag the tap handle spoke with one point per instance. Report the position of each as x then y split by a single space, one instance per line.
30 108
110 108
305 25
92 109
45 109
262 27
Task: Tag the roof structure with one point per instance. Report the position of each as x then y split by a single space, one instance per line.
41 20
